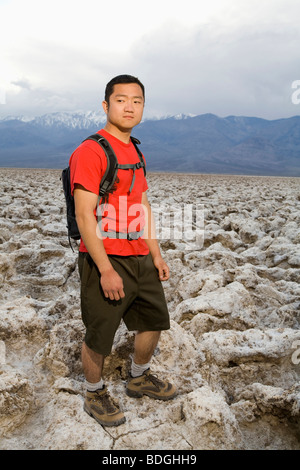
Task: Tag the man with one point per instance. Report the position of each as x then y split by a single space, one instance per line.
120 276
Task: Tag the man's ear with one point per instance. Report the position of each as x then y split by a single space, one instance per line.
105 106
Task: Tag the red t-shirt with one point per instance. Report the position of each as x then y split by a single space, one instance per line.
124 212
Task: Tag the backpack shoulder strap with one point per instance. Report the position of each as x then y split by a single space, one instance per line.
136 142
110 173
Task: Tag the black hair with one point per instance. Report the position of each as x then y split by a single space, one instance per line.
121 79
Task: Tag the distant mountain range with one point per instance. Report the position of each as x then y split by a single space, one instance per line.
193 144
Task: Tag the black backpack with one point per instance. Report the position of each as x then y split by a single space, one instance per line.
106 185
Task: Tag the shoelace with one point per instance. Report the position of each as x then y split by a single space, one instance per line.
154 379
108 402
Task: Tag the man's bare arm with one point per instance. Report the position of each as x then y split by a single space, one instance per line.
85 204
151 240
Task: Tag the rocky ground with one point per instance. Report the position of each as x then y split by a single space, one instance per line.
233 349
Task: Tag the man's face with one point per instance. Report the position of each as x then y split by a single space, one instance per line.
125 107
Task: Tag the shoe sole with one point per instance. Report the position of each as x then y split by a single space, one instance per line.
105 423
136 394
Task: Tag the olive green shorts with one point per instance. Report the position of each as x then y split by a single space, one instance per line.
143 308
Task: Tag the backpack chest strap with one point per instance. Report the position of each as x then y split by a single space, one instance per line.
131 166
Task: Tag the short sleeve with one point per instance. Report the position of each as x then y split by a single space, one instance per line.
86 167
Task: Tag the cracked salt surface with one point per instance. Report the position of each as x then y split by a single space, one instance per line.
234 305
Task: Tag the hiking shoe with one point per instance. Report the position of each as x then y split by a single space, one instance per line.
102 408
148 384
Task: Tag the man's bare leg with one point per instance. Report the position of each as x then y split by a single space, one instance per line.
144 344
92 364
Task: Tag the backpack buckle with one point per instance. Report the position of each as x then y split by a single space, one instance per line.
134 235
139 165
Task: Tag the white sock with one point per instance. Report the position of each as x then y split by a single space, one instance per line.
138 369
92 387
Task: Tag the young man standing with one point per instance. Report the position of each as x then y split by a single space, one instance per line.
120 272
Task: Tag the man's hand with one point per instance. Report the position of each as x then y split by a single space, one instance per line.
162 268
112 284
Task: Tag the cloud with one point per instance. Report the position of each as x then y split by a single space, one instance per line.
243 71
35 101
22 83
238 58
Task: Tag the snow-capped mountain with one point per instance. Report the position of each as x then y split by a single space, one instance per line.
81 120
185 143
78 120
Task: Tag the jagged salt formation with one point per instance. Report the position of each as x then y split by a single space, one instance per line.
234 344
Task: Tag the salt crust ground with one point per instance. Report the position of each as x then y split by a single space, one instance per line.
233 348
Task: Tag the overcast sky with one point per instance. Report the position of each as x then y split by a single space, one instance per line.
227 57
